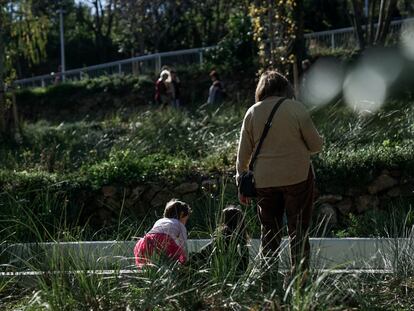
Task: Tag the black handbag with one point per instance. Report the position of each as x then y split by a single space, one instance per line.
247 186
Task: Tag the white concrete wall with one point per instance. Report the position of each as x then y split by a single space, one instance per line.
330 253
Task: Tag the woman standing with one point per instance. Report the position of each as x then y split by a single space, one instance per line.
216 91
283 173
176 86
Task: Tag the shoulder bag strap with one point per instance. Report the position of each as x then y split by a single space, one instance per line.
268 125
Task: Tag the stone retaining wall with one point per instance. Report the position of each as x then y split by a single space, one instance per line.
387 186
106 204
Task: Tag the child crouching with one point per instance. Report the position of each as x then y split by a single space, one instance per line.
229 244
168 237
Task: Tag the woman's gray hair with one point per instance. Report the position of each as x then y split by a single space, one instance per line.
272 83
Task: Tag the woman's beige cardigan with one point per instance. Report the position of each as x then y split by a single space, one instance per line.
284 158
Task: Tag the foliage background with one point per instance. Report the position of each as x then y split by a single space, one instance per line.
99 31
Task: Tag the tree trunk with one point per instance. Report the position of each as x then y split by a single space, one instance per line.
17 125
380 21
101 47
218 22
271 50
2 75
356 9
141 44
207 26
299 48
371 27
392 6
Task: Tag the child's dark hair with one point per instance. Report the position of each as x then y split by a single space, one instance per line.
233 222
176 209
214 74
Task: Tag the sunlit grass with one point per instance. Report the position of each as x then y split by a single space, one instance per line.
170 145
214 286
204 140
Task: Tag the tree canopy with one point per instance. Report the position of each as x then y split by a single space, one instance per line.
22 34
99 31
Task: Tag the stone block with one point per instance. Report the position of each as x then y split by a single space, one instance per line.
209 185
137 192
108 191
186 188
150 193
328 213
407 190
394 192
329 198
161 198
353 192
190 198
345 206
366 202
383 182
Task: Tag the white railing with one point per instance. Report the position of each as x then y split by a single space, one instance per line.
345 37
136 65
152 63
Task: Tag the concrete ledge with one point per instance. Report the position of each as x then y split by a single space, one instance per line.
327 253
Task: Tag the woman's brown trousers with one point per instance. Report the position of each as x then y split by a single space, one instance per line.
297 201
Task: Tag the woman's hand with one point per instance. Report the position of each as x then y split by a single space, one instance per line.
243 200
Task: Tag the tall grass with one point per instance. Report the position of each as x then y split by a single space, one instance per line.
210 136
72 284
199 133
160 145
66 147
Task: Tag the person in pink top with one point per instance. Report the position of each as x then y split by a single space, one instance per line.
168 237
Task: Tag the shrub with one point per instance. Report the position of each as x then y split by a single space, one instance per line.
66 99
340 168
126 166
